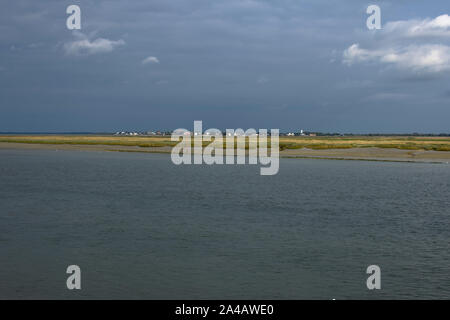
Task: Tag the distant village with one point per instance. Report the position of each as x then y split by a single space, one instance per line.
147 133
291 134
168 133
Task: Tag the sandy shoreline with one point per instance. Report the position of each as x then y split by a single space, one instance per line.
369 154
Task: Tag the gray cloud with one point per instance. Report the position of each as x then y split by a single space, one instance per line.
214 57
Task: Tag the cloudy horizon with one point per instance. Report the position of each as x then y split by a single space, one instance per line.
161 64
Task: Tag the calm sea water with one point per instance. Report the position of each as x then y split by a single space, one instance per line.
141 227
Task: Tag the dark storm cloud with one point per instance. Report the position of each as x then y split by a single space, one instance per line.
232 63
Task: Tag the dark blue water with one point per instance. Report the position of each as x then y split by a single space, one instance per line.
141 227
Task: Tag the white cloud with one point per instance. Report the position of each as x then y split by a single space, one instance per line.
354 54
438 27
150 60
414 45
428 58
84 46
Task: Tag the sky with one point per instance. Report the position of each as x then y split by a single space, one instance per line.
281 64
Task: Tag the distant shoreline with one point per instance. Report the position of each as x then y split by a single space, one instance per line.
394 149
